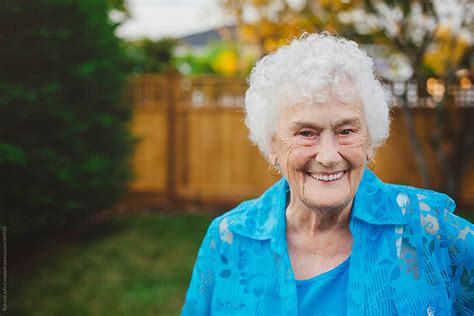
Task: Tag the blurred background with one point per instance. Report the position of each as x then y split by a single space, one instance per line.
122 134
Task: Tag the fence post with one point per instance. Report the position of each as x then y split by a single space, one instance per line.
172 80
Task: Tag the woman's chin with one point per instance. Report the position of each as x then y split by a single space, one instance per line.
328 195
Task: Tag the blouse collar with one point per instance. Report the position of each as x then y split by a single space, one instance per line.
264 218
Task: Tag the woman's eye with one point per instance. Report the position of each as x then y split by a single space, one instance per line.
346 132
306 133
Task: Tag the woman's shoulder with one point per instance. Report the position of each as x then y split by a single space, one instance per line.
423 199
435 211
255 218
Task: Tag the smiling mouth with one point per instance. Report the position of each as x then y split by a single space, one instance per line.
327 177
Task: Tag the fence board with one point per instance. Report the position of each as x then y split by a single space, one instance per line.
150 157
220 161
150 125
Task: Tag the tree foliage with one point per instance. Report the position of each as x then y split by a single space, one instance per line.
149 56
64 143
225 59
269 23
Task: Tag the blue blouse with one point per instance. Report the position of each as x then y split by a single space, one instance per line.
324 294
410 256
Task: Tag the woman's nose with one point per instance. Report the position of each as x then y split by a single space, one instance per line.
327 154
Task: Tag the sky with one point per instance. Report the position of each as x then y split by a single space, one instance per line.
160 18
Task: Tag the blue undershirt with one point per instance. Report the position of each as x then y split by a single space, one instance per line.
324 294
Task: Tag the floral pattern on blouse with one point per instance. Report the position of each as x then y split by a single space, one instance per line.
411 256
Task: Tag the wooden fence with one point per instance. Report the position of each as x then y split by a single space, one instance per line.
194 144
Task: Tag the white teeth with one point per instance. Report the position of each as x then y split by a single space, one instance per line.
331 177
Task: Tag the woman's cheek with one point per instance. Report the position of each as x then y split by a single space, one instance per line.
356 142
300 155
295 160
355 152
295 171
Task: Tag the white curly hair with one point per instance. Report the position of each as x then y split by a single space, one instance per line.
301 72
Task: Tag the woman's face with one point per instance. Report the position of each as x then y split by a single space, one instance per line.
321 150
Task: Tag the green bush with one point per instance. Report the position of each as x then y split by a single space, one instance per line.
64 143
149 56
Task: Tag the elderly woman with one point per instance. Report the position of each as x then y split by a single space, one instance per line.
330 238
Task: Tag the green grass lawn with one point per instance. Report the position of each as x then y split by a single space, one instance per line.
135 265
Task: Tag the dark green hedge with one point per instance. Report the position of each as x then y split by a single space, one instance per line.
64 143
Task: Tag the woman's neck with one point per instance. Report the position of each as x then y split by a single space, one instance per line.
325 237
301 218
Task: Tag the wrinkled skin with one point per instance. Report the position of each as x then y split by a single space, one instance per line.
322 139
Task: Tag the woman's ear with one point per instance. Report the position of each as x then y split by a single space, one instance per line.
272 159
370 154
272 155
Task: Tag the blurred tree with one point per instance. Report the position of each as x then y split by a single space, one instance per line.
227 59
192 64
120 6
435 37
64 143
270 23
149 56
225 63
